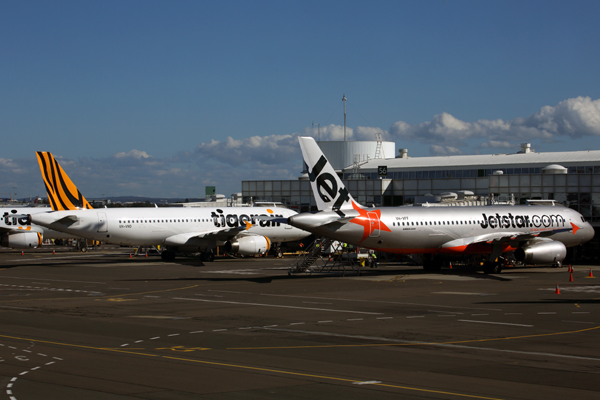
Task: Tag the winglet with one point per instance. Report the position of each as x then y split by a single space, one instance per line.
62 193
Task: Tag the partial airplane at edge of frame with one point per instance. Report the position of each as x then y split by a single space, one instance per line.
187 230
536 234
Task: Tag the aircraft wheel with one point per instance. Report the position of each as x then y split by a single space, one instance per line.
490 267
167 255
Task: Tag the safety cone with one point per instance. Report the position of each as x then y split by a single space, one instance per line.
450 265
570 268
130 255
53 252
557 290
23 253
571 277
591 275
146 254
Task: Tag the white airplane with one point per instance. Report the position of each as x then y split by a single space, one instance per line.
19 233
536 234
176 229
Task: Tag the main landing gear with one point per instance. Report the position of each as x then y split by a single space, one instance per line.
492 267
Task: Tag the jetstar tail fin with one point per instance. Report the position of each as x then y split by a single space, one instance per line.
62 193
328 189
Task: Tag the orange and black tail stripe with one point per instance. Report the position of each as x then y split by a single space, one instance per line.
62 193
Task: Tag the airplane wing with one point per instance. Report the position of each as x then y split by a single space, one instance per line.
501 237
188 238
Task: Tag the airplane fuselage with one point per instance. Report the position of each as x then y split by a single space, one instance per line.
196 228
414 230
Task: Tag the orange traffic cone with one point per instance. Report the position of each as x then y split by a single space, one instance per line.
130 255
53 252
22 253
570 268
571 277
591 275
450 265
557 290
146 254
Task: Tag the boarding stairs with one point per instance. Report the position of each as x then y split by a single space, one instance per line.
325 256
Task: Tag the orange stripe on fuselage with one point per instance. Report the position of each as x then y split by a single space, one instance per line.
470 249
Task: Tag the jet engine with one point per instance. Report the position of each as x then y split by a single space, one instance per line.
248 245
551 252
22 240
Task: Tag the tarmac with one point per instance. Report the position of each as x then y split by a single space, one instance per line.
104 325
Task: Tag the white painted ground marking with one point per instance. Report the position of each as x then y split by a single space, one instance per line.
246 327
494 323
219 330
355 319
138 341
447 315
371 338
445 312
546 313
476 315
366 383
581 322
297 323
34 368
197 332
513 313
324 322
126 344
174 334
385 317
416 316
153 338
24 373
277 305
580 312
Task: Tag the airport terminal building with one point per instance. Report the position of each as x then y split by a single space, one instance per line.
372 177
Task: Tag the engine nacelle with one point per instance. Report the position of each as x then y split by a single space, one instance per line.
542 253
248 245
22 240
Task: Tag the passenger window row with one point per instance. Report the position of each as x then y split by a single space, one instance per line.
159 221
426 223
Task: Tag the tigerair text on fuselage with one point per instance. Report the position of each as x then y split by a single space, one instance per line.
222 220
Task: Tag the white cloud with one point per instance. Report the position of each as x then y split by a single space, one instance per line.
574 118
444 150
497 144
135 154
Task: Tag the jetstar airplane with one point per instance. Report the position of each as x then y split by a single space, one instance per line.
536 234
17 232
176 229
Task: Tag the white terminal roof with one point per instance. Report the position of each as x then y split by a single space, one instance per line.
487 160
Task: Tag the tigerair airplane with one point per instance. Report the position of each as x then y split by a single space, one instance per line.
187 230
536 234
17 232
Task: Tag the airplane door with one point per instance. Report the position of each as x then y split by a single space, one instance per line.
374 221
102 222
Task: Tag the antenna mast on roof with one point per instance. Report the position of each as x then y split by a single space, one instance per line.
344 100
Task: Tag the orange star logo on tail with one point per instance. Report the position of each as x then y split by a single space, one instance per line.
369 220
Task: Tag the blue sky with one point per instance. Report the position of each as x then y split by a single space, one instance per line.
158 98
